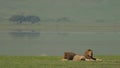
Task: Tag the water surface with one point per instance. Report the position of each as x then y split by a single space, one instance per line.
55 43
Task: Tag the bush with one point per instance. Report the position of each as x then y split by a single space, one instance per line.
32 19
17 18
63 19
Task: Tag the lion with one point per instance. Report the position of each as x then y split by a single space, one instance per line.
88 56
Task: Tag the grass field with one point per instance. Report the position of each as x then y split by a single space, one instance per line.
55 62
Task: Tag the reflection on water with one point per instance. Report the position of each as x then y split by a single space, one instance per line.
23 33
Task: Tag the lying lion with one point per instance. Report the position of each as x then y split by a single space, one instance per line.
88 56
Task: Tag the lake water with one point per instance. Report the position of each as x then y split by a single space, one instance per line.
22 42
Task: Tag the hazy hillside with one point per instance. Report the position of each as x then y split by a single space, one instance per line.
80 11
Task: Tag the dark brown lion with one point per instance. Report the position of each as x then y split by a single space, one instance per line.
69 55
89 54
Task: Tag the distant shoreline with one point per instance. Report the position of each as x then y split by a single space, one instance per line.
62 27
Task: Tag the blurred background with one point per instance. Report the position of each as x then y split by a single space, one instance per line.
51 27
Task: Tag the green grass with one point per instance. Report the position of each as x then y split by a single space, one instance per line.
55 62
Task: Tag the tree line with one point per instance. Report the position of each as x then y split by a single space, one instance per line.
20 19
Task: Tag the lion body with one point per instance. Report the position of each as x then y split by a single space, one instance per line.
79 58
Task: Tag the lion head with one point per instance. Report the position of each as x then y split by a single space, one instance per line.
89 54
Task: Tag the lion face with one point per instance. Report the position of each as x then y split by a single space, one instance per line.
88 54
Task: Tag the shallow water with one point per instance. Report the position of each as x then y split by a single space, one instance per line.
55 43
